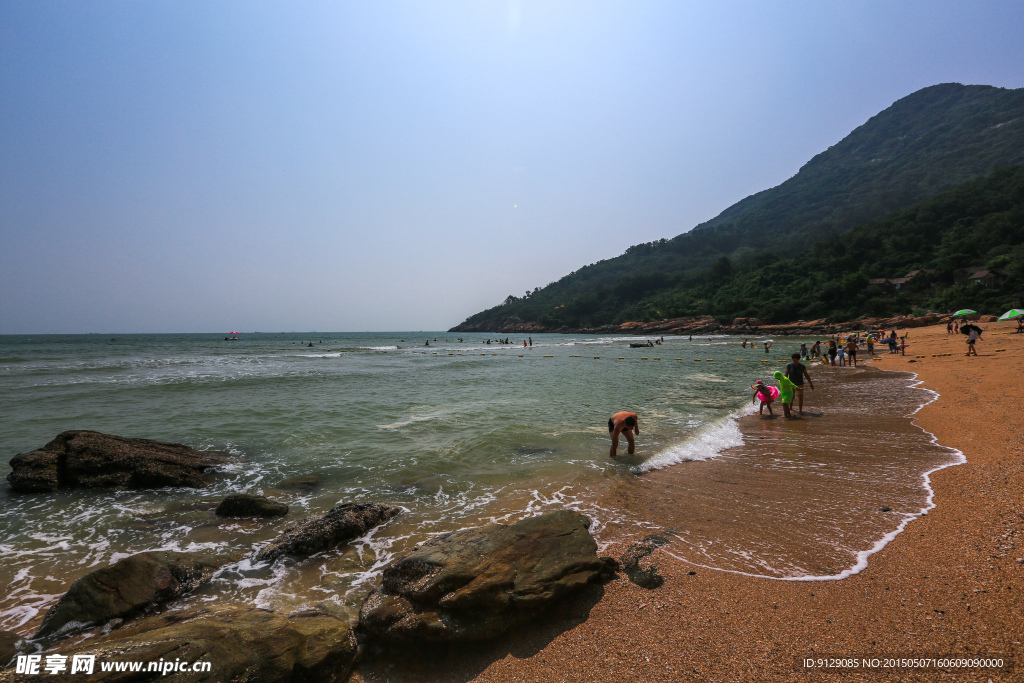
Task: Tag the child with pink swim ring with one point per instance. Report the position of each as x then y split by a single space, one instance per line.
766 393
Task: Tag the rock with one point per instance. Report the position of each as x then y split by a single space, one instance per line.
305 482
645 578
474 584
94 460
247 505
239 643
8 647
125 589
340 525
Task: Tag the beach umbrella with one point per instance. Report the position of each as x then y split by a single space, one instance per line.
1012 313
963 311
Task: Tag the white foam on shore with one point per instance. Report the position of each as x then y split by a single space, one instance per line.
707 442
861 561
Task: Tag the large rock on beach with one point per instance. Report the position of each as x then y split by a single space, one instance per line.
248 505
93 460
239 644
126 589
474 584
339 525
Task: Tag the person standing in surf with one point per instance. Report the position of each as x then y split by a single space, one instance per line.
796 372
625 423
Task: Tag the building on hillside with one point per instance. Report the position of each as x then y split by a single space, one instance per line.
989 278
898 282
961 276
916 273
882 283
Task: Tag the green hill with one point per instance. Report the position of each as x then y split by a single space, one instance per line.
927 142
977 226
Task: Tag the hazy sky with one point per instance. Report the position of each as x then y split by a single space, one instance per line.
214 166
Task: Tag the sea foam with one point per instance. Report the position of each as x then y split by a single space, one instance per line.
707 442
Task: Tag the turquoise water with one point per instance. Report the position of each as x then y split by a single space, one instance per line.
457 433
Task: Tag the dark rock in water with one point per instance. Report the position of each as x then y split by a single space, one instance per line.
645 578
474 584
125 589
93 460
240 644
531 450
247 505
340 525
305 482
8 647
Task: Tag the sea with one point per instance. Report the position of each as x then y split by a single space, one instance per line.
459 430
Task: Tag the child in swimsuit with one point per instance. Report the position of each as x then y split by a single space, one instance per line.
786 392
761 391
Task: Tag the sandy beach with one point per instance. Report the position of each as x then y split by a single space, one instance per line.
949 586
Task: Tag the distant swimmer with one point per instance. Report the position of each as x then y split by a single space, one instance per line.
426 343
626 423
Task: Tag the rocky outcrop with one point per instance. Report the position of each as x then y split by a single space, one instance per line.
94 460
248 505
125 589
239 644
303 482
340 525
474 584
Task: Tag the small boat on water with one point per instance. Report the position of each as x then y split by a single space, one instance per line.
639 346
233 337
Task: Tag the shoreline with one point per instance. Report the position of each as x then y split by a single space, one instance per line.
948 584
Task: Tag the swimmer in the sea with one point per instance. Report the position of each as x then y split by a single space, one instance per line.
626 423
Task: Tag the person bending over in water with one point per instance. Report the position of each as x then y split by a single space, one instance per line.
626 423
762 392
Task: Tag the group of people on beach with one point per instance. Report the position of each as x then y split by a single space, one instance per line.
839 351
790 388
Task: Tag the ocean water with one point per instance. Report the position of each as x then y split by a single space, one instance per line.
458 433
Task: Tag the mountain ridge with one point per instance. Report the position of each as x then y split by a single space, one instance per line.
922 144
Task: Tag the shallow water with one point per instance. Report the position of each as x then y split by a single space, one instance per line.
457 434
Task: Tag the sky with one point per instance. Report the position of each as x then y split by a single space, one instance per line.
193 166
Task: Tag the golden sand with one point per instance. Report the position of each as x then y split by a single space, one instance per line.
951 584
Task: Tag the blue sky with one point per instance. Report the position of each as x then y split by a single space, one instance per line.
195 166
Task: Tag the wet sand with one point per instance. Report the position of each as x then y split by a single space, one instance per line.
949 584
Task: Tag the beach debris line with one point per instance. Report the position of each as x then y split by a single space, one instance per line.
339 525
249 505
474 584
125 589
87 459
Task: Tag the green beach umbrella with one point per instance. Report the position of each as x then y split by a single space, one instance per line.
1012 313
963 311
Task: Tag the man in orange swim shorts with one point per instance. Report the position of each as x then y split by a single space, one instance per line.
626 423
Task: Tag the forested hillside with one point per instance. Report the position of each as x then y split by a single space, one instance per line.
927 142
